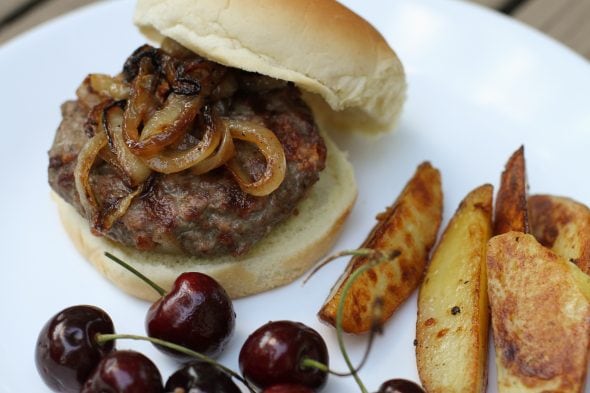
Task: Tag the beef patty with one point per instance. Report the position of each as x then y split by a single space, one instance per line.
205 215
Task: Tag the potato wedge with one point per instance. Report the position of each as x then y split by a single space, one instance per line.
410 226
452 325
562 225
511 201
540 316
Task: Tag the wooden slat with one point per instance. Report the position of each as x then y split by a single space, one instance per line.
565 20
568 21
9 6
580 41
496 4
46 10
537 13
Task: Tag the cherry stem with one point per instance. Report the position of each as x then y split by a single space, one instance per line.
103 338
130 268
362 252
377 258
312 363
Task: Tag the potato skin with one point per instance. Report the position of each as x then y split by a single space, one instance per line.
511 212
410 226
563 225
540 317
452 324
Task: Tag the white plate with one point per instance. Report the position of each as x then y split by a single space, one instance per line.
480 85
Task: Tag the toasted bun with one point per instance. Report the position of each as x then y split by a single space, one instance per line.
323 47
281 257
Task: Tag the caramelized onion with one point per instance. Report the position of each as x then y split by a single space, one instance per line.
271 149
140 104
103 220
108 86
173 48
166 162
86 159
223 154
145 115
167 126
108 217
176 107
135 170
87 96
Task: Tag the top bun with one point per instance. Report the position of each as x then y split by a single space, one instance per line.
320 45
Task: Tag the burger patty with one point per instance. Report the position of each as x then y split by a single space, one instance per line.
205 215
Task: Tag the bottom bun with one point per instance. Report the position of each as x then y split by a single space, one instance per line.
280 258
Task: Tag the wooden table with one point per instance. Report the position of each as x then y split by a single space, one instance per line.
566 20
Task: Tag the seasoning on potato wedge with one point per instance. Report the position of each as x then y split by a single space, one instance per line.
562 225
540 316
511 201
409 226
452 325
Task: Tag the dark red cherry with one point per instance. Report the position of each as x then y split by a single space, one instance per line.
274 353
197 314
288 388
400 386
201 377
124 372
66 351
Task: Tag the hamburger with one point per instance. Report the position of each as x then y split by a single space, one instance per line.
210 151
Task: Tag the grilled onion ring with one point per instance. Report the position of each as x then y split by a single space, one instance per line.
86 159
223 154
112 122
108 86
141 103
167 126
180 160
271 149
112 213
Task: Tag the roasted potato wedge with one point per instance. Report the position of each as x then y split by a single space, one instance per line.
562 225
452 325
540 316
409 226
511 201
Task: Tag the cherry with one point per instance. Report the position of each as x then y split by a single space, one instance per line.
400 386
66 351
197 314
124 372
275 354
201 377
288 388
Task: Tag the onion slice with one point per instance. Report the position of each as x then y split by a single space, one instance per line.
271 149
101 221
132 166
108 86
223 154
167 126
173 48
108 217
86 159
140 104
87 96
167 162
